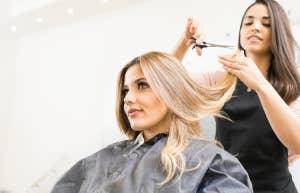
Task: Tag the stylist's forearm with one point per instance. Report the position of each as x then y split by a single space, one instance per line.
181 49
285 124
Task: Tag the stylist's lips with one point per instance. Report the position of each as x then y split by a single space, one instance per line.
133 111
254 38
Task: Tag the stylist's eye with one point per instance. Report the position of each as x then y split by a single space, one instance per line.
143 85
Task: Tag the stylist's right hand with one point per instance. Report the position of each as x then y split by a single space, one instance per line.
192 30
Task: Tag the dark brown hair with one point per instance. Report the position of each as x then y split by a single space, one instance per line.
282 74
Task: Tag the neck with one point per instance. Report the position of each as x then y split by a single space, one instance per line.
162 127
149 135
262 61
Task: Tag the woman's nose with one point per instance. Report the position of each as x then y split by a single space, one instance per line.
130 97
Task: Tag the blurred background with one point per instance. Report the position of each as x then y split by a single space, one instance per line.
59 61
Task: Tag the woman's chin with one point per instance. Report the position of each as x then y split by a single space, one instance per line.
137 128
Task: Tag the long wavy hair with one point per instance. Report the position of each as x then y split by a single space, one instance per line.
282 74
187 103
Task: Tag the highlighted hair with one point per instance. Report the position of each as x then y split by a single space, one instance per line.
186 100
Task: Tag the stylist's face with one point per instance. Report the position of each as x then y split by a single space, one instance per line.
142 107
255 35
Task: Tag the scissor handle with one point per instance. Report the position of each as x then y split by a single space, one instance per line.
200 46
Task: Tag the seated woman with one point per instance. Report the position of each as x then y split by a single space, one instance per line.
158 108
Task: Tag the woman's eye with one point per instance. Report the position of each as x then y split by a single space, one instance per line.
267 24
247 24
125 91
142 85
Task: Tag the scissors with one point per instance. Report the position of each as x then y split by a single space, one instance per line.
206 44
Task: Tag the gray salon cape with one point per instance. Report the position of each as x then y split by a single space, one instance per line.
134 166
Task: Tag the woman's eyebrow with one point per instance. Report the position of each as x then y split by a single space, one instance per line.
140 79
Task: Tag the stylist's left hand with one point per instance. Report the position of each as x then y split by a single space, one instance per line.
244 68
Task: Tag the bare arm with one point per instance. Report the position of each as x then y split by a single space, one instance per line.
284 122
181 48
185 42
293 156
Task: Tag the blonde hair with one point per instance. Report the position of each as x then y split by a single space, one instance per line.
186 100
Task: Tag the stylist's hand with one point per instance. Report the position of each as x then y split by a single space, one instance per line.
244 68
192 29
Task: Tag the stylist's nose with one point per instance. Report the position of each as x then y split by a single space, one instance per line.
256 26
130 97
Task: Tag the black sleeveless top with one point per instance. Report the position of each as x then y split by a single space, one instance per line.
251 139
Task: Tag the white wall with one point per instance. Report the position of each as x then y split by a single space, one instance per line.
64 83
7 103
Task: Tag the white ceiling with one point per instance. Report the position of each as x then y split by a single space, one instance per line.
21 15
17 7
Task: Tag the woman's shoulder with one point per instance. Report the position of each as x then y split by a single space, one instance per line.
87 167
109 150
104 156
208 150
219 163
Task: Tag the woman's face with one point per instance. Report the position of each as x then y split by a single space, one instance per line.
142 107
255 34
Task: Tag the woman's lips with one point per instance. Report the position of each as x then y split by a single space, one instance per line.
133 112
